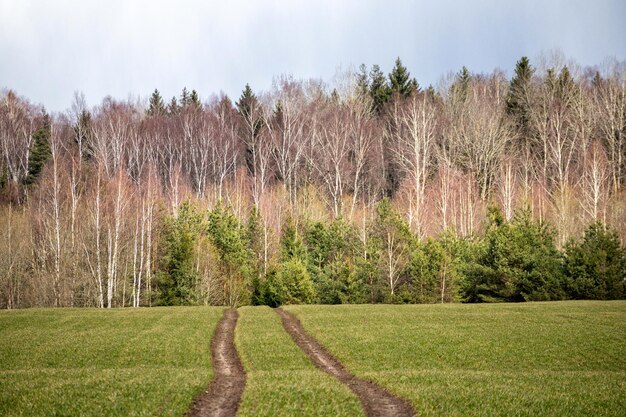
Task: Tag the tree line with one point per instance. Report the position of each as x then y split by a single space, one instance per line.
377 190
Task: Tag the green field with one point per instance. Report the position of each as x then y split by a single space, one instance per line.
532 359
548 359
130 362
281 381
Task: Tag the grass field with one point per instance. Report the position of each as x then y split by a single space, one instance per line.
281 380
531 359
91 362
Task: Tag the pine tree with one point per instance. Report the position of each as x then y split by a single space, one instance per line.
40 151
401 82
156 106
517 101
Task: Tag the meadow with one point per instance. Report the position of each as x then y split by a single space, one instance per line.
281 380
121 362
527 359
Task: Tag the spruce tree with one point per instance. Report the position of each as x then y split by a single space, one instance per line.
176 275
156 106
461 87
83 134
596 266
194 100
379 89
172 107
40 151
185 98
401 82
362 81
517 102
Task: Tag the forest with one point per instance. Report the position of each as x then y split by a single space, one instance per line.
371 189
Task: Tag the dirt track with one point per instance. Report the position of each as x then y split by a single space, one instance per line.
376 400
223 395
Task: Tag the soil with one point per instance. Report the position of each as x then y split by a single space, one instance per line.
376 400
223 395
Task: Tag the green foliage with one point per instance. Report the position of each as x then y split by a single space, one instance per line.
185 98
176 275
289 283
291 245
255 242
194 101
229 237
172 107
517 101
596 266
461 87
248 108
156 106
379 89
40 151
401 82
520 262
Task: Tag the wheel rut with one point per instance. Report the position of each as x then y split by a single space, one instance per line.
376 401
222 397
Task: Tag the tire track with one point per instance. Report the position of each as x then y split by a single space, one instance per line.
376 400
223 395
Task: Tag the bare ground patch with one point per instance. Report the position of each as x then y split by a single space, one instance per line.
223 395
376 400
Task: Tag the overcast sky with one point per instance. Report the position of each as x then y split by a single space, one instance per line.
51 48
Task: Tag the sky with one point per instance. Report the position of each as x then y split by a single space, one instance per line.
51 48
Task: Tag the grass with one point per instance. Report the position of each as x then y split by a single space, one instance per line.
130 362
281 380
531 359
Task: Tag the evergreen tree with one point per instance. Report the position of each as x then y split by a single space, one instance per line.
379 89
596 266
461 87
517 101
248 107
401 82
194 100
291 245
228 236
520 262
185 98
176 275
40 151
362 81
172 107
254 239
394 243
83 134
156 106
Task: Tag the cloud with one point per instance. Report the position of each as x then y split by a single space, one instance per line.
49 49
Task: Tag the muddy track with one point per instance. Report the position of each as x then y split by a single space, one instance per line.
376 400
222 396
